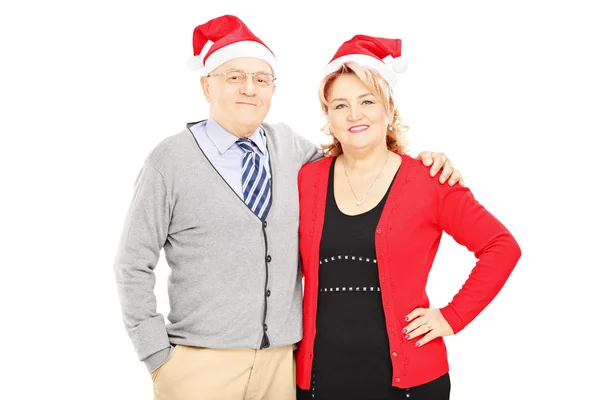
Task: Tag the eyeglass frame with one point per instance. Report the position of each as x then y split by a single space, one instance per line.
245 76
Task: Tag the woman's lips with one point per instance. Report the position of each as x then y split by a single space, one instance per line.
358 128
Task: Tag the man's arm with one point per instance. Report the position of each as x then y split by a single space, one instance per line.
143 236
308 150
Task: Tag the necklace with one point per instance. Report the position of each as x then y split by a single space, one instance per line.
359 201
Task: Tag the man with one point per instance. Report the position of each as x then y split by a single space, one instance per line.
221 198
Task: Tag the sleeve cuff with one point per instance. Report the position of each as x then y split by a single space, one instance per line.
157 359
453 319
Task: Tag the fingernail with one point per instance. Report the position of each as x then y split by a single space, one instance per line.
406 336
418 344
406 319
404 331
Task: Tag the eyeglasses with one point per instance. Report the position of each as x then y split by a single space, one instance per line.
263 79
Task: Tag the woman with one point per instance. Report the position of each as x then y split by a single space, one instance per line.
371 220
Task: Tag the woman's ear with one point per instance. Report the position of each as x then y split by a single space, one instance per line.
391 117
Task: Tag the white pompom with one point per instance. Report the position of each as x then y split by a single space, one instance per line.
195 63
399 65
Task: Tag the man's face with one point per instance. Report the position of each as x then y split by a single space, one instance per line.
240 107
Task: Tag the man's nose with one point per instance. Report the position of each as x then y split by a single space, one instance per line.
249 87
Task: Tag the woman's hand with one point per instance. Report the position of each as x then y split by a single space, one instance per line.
426 321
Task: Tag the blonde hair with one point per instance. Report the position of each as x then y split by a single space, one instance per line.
395 137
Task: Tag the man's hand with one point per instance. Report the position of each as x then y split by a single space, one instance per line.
437 161
154 373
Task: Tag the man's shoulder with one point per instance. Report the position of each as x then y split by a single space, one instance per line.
171 147
280 131
278 127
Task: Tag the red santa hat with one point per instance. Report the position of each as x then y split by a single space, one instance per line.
381 54
231 39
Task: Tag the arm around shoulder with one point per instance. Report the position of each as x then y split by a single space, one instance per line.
308 150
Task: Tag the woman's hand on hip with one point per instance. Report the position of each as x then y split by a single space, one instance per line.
426 321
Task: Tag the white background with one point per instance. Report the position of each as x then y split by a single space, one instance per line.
508 90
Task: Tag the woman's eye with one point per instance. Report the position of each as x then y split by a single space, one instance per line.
368 102
339 106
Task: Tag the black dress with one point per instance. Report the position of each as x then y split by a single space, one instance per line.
351 354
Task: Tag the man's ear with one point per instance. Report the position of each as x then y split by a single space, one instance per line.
205 87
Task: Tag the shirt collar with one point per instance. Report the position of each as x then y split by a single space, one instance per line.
223 139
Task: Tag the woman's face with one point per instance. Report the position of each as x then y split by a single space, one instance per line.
357 119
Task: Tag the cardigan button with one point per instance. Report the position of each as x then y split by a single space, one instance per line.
379 231
395 354
397 379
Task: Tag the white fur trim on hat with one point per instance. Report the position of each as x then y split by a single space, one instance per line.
367 61
246 48
195 62
398 64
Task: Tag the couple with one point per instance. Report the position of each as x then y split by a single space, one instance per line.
234 201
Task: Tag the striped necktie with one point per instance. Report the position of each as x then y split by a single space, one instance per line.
256 187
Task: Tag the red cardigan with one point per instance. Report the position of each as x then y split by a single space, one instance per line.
407 237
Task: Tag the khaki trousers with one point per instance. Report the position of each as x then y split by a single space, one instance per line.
197 373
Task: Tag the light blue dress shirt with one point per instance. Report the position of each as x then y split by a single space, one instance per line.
225 155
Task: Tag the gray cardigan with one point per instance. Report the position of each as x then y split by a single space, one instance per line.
235 281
